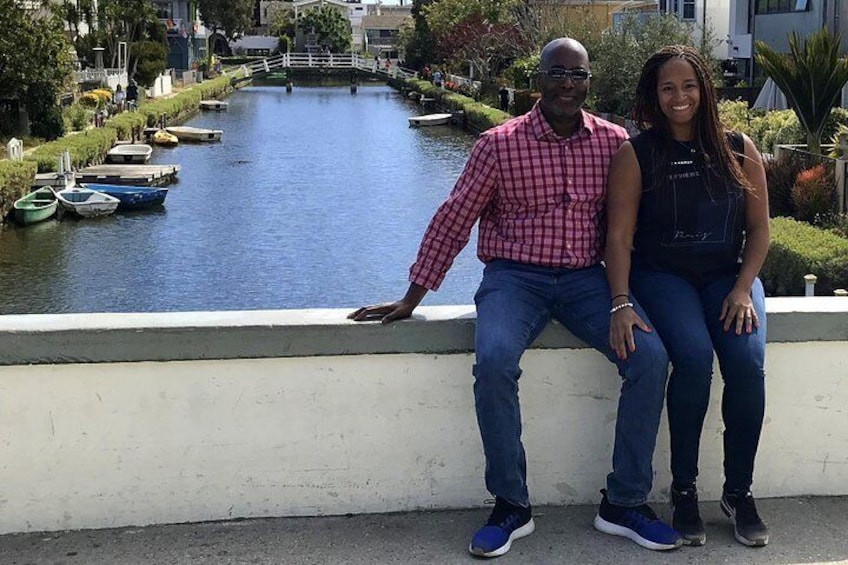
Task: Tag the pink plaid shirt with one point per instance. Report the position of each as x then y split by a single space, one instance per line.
539 198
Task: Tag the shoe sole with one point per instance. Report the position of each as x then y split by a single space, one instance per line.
731 513
615 530
693 541
519 533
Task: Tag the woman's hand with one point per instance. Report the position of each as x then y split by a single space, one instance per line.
738 310
621 331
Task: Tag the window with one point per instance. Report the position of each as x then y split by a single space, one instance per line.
688 10
781 6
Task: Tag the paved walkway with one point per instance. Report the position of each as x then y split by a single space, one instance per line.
805 531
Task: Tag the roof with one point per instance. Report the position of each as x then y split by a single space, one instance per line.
384 21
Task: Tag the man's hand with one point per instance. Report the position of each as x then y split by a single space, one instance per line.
385 312
391 311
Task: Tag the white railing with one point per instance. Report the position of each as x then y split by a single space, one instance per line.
327 61
107 77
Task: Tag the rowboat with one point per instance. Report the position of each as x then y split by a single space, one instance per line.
430 120
188 133
131 197
162 137
86 202
215 105
136 153
36 206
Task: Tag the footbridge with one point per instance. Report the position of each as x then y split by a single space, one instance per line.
330 61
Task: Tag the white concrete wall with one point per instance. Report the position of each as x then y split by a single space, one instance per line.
90 445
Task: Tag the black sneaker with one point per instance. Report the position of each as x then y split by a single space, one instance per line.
686 519
506 524
748 528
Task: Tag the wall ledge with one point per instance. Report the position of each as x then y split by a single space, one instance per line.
183 336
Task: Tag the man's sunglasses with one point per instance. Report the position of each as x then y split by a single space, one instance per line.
577 75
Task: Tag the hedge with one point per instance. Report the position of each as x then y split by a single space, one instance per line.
91 145
15 181
478 116
799 249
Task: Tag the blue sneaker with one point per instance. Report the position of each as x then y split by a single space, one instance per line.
506 524
638 523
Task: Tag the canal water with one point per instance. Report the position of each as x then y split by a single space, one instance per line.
314 199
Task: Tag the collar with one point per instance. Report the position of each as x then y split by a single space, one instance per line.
542 130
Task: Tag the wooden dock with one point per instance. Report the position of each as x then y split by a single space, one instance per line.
137 175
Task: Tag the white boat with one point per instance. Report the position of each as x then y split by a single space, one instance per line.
86 202
136 153
189 133
430 120
215 105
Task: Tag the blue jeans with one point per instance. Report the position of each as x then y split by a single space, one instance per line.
687 319
514 303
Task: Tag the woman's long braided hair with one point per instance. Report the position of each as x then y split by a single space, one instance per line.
710 140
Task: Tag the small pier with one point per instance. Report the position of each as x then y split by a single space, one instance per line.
137 175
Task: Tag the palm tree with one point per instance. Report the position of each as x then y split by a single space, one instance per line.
811 76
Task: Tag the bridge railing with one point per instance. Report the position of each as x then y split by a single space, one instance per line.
327 61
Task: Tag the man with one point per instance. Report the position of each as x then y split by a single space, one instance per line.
537 184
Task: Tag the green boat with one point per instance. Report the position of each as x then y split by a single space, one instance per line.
35 207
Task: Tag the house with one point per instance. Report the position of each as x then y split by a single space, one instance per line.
186 36
738 24
380 30
305 40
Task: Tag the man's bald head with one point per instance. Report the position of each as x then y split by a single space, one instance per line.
563 44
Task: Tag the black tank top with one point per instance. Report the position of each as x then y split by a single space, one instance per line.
694 225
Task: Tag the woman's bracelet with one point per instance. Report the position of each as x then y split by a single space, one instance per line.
621 306
619 296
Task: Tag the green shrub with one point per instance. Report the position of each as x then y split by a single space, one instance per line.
814 194
780 178
15 179
76 117
798 249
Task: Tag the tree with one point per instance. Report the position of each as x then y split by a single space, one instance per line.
231 17
618 56
131 21
417 41
34 64
811 76
331 26
486 46
488 34
283 27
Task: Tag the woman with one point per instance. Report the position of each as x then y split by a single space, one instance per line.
687 235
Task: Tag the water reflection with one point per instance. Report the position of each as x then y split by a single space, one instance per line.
314 198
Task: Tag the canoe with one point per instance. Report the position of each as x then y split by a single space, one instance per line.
430 120
86 202
35 207
162 137
188 133
136 153
215 105
131 197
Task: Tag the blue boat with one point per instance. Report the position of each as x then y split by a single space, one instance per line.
132 197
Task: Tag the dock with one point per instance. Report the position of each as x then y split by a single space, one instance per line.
137 175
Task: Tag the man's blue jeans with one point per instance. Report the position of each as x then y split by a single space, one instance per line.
687 319
514 303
